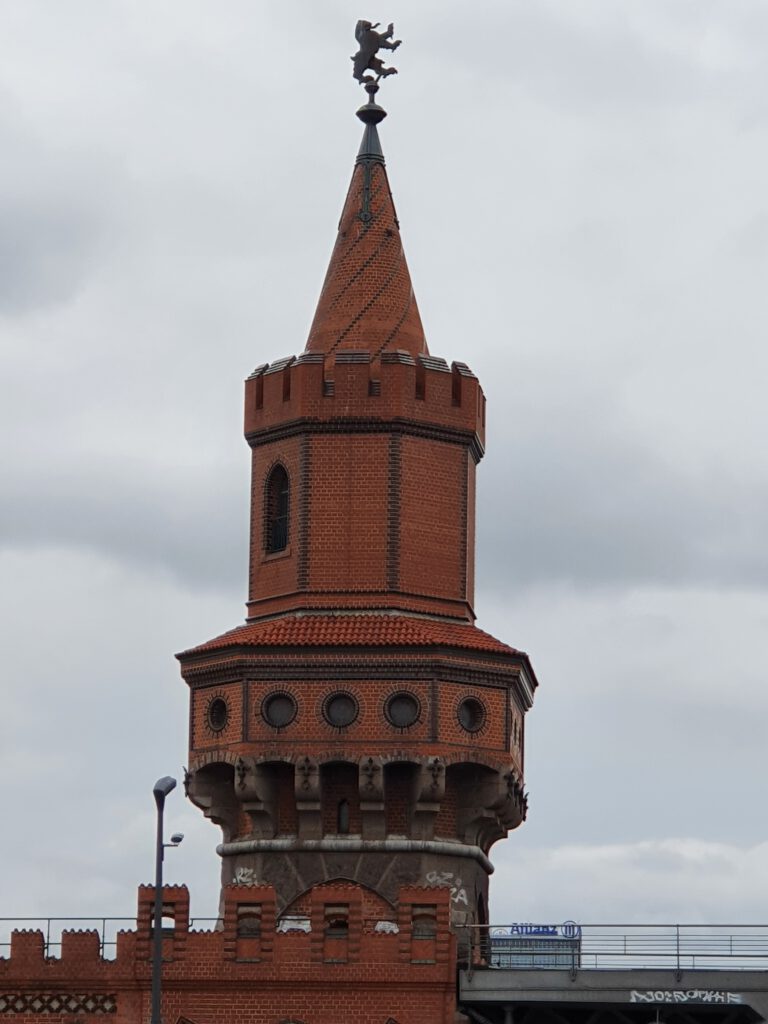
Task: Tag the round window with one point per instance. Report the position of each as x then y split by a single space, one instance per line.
278 710
340 710
402 710
471 714
218 714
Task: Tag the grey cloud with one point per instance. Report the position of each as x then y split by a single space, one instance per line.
607 510
677 879
46 250
583 213
586 59
192 527
55 218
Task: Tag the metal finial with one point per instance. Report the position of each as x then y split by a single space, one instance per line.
370 42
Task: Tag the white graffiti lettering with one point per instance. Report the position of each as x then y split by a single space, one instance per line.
450 881
691 995
244 876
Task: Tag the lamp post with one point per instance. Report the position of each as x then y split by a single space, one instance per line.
162 788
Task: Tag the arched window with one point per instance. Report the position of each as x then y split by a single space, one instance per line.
276 503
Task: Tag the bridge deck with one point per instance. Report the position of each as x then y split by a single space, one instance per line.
491 995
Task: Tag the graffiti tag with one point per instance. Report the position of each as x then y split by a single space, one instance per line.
450 881
690 995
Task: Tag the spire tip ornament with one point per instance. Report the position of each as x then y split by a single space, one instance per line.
365 60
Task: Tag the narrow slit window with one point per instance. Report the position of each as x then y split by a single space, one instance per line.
342 818
276 510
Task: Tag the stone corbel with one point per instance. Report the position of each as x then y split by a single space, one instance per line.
217 802
255 788
245 779
511 803
371 786
307 789
429 792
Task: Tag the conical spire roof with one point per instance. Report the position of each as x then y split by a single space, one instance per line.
367 302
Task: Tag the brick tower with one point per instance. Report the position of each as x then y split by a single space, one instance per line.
358 726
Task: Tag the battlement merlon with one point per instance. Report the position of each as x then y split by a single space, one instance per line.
396 389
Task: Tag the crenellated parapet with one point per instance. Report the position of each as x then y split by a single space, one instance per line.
359 393
337 920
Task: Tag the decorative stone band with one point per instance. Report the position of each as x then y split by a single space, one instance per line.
369 425
350 844
56 1002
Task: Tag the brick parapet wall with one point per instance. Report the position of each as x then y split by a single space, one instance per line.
268 975
397 387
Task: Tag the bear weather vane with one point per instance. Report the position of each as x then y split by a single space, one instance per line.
367 68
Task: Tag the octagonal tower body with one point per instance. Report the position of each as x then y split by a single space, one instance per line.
359 726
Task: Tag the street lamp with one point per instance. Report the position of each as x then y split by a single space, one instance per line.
162 788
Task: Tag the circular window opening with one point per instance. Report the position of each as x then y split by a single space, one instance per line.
340 710
218 714
279 710
402 710
471 714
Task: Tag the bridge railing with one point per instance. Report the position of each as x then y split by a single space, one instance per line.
575 946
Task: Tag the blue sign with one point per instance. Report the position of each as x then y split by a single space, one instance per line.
567 930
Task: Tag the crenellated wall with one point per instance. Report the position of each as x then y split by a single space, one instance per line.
340 952
396 387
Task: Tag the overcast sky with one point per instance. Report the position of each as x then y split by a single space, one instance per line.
581 186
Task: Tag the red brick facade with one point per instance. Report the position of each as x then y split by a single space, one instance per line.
341 954
359 726
358 741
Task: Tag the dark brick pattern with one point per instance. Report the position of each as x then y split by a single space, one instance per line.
304 520
393 514
56 1002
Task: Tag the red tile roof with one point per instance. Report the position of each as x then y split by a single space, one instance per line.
355 631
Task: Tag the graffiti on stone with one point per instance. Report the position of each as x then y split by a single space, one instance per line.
450 881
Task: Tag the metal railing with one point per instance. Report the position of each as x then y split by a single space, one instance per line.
108 927
676 947
52 927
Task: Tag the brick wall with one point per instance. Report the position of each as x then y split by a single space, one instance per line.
248 970
381 476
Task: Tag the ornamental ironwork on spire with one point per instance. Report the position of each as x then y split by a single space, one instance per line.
367 302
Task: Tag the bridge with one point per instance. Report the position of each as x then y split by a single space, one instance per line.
616 974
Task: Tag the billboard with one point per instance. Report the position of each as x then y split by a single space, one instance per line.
530 946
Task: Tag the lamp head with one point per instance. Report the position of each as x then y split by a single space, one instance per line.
164 786
176 838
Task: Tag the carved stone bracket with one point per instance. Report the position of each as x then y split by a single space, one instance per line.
429 792
307 780
217 802
371 778
307 789
431 780
371 784
511 802
245 779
